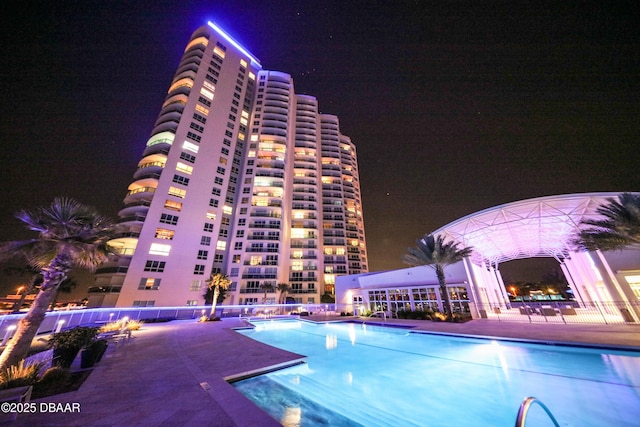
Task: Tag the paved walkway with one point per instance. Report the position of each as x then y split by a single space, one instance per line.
174 374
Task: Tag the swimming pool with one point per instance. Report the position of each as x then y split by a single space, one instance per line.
363 375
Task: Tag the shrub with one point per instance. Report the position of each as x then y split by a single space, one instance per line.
54 375
74 338
20 375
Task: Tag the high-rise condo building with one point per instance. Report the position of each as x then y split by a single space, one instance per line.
240 176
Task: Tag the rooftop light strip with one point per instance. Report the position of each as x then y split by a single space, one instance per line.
234 43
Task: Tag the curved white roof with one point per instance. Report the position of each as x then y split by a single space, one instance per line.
540 227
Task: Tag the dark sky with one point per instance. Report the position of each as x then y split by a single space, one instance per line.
454 106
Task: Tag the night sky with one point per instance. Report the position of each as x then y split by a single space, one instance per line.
454 106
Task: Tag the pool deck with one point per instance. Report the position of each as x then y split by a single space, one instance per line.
176 373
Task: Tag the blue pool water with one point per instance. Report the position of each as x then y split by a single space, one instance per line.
363 375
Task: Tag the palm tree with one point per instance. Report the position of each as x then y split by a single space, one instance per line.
69 235
434 252
216 282
266 287
619 228
283 288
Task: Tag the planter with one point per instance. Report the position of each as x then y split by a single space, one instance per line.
93 353
64 356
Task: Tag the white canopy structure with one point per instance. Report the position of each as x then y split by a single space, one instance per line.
540 227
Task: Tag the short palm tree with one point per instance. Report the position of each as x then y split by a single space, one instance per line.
70 234
434 252
216 282
619 227
266 287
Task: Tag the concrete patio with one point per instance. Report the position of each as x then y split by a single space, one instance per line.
176 373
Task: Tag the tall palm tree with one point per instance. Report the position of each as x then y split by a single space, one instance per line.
216 282
69 235
619 227
434 252
283 288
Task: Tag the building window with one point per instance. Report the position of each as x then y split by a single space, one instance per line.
174 206
194 137
190 147
198 269
155 266
179 179
205 240
177 192
208 227
169 219
159 249
192 302
237 246
149 284
203 254
143 303
195 286
163 233
221 245
213 203
184 168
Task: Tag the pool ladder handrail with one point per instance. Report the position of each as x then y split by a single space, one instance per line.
521 419
384 315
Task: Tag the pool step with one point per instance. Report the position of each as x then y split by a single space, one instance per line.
355 409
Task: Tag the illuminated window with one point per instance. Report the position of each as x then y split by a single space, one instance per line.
296 266
634 283
149 284
227 210
158 249
252 76
297 233
174 206
200 40
177 192
255 260
195 286
202 110
182 167
221 245
297 254
163 233
218 51
190 146
180 83
206 93
340 251
211 215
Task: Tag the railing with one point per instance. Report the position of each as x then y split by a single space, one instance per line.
567 312
521 419
71 318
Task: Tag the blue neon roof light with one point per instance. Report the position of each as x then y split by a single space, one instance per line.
234 43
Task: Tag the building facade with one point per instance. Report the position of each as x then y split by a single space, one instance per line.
240 176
